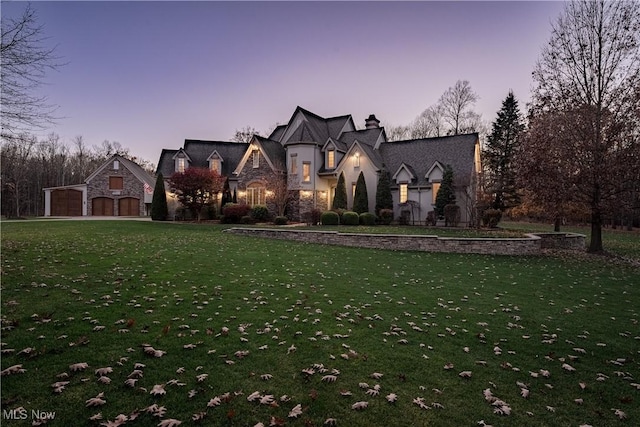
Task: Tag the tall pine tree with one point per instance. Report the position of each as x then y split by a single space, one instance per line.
361 198
159 209
500 153
340 198
384 199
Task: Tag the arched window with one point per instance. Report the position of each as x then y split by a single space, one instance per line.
255 194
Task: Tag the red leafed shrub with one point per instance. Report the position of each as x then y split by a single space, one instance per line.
233 212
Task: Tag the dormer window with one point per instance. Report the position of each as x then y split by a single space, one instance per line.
215 165
331 159
181 164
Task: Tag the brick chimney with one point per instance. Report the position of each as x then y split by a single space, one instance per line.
372 122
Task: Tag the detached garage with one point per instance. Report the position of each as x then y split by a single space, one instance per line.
119 187
69 200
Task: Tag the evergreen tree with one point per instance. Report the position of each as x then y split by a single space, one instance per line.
159 209
361 198
384 199
340 198
446 194
226 193
500 153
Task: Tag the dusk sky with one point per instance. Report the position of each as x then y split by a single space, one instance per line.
151 74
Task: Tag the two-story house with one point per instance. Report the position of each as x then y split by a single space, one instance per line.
312 152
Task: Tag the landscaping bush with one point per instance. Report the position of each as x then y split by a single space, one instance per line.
367 218
330 218
260 213
350 218
491 217
233 212
386 216
432 218
281 220
312 217
208 212
247 219
451 215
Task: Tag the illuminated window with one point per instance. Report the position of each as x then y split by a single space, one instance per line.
256 158
181 164
404 192
116 183
353 189
331 159
294 163
215 165
306 172
434 192
255 194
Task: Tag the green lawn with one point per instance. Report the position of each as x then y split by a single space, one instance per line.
254 315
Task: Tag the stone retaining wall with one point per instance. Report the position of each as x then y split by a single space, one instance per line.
530 245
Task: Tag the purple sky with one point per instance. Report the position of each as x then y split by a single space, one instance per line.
150 74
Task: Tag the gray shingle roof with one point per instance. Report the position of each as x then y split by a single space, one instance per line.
420 154
199 151
364 136
275 151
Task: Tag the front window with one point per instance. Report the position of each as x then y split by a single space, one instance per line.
255 195
404 192
434 190
331 159
256 159
306 172
181 164
116 183
294 164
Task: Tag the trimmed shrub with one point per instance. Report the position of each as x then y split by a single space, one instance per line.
367 218
330 218
350 218
247 219
312 217
451 215
360 197
233 212
208 212
260 213
491 218
432 218
386 216
281 220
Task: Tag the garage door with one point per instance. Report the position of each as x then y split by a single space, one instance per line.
129 206
66 203
102 206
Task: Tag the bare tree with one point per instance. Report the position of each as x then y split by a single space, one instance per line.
587 77
397 133
245 134
25 62
456 105
430 123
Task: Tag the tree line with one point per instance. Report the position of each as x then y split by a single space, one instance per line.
30 164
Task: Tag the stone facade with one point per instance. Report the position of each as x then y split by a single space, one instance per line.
530 245
98 186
